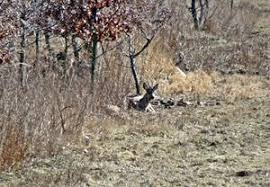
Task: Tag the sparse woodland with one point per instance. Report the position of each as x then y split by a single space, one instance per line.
63 62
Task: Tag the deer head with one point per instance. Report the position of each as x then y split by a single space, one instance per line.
148 96
149 91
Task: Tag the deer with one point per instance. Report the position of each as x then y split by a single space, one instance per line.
142 102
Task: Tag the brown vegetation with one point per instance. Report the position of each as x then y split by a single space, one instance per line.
56 130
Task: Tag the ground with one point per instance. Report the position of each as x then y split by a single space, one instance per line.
224 142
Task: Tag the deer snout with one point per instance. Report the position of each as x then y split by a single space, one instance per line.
155 96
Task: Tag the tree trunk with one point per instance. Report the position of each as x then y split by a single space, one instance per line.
94 58
94 48
204 6
194 14
75 49
37 47
65 61
231 4
22 51
132 58
134 73
199 17
37 33
49 49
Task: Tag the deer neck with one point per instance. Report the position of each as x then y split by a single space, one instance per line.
143 102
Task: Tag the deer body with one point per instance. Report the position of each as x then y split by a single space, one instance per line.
142 102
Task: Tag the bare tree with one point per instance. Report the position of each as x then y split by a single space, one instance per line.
93 21
231 4
150 17
199 10
22 48
75 48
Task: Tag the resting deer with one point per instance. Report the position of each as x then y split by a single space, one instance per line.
142 102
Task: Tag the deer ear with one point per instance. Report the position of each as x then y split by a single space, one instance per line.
145 86
155 87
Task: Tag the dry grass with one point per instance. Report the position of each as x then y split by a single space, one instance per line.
241 87
14 148
52 114
226 45
200 146
47 112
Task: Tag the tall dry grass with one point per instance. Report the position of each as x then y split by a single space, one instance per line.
48 112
